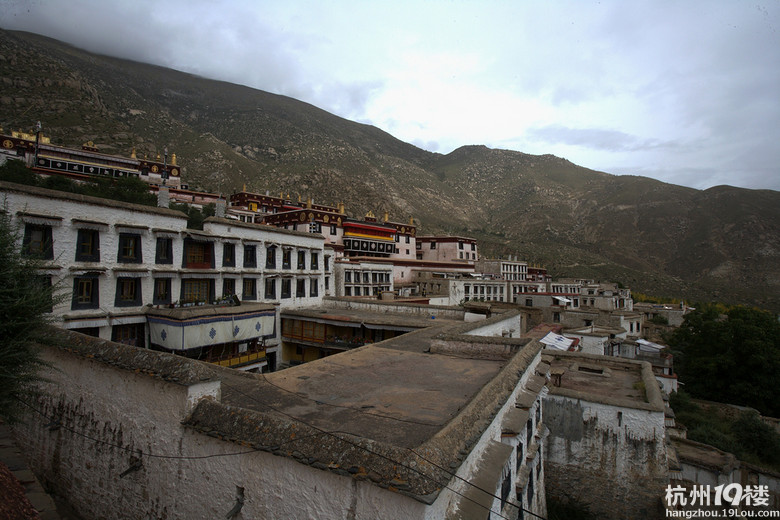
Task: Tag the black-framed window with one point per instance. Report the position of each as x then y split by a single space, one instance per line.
228 286
286 259
270 258
198 254
315 260
88 245
37 241
196 290
250 255
333 229
314 287
300 288
418 245
348 276
85 293
162 291
407 239
128 292
270 288
326 263
286 287
250 289
301 260
129 248
327 283
433 245
229 255
164 251
473 247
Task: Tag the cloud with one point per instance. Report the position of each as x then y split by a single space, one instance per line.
594 138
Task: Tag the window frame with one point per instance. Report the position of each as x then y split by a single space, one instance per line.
94 242
94 293
136 256
163 253
44 251
131 299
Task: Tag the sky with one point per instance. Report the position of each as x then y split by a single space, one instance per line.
683 91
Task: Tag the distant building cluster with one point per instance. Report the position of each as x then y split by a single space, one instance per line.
468 387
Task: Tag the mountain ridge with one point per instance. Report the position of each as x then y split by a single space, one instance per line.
721 243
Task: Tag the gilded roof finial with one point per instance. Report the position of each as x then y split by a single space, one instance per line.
158 156
386 217
173 160
308 203
299 197
411 221
132 154
370 214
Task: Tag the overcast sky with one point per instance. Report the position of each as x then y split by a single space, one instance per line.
684 91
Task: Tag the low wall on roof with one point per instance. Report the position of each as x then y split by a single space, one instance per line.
444 312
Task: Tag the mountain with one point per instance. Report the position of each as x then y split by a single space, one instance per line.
717 244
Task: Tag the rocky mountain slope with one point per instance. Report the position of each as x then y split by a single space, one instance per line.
722 243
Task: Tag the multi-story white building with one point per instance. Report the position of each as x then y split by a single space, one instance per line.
137 275
506 269
362 278
447 249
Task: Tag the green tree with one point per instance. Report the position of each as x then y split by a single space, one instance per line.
731 358
25 301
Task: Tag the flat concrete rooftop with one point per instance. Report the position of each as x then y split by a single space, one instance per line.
392 391
604 379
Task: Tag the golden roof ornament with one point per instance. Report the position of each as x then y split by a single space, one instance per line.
132 154
386 217
370 214
173 160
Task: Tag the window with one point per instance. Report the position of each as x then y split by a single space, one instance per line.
37 242
228 287
315 260
301 260
314 287
85 293
286 287
228 255
461 255
198 255
326 263
366 278
418 245
270 288
88 246
300 288
333 229
162 291
407 239
132 334
347 291
348 276
250 256
195 291
433 245
164 252
129 248
460 246
286 259
315 227
474 248
327 284
128 292
270 258
250 289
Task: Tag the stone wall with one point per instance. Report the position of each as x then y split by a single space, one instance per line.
449 313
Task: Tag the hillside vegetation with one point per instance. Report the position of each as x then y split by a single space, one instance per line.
717 244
